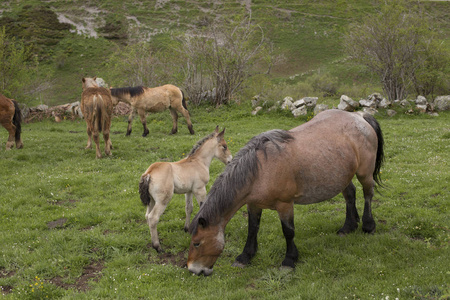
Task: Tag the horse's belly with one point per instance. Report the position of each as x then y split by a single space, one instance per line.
158 107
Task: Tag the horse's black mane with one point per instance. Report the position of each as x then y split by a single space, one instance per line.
238 173
132 91
200 143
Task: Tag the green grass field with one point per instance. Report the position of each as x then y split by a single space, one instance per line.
73 227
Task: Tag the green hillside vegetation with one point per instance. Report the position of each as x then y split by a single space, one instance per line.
308 34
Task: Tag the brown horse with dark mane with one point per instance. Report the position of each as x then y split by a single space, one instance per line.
277 169
10 118
96 106
145 99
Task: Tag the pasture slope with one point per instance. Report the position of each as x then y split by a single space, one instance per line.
73 227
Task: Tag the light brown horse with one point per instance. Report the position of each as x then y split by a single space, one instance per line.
96 106
277 169
188 176
144 99
10 118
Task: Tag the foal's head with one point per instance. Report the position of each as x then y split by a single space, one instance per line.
222 152
88 82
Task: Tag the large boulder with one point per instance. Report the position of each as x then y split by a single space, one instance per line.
347 103
442 103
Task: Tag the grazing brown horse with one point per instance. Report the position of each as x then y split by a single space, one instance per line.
188 176
10 118
144 99
277 169
96 106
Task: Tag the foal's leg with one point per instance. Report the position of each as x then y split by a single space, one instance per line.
153 216
251 246
351 217
189 208
174 115
286 214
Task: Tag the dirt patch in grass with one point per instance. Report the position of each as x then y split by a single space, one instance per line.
92 272
6 289
167 258
57 223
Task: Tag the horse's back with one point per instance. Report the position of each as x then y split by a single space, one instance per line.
320 161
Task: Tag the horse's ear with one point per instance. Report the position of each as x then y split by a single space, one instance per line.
217 129
221 134
83 79
202 222
95 77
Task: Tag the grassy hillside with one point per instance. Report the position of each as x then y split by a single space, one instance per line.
308 33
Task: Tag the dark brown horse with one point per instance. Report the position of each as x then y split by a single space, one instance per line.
277 169
144 99
10 118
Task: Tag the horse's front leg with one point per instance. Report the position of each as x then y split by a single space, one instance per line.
286 214
174 115
251 246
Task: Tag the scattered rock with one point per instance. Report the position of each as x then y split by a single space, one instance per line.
391 112
319 108
301 111
442 103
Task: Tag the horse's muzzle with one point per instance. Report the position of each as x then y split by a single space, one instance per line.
199 270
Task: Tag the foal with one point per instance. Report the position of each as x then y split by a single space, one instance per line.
188 176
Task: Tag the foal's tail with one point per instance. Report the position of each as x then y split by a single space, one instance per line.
17 119
380 151
143 189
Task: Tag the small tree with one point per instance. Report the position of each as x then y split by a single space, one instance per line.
17 67
221 57
392 44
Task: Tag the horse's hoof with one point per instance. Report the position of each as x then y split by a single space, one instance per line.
238 265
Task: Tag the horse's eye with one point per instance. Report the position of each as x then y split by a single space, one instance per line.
225 147
196 245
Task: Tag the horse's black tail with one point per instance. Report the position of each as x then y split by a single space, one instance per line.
380 151
143 189
17 119
183 101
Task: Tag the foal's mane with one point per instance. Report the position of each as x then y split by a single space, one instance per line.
200 143
238 173
132 91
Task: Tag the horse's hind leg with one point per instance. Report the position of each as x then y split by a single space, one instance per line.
367 219
174 115
12 131
96 137
106 137
186 115
351 217
251 245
